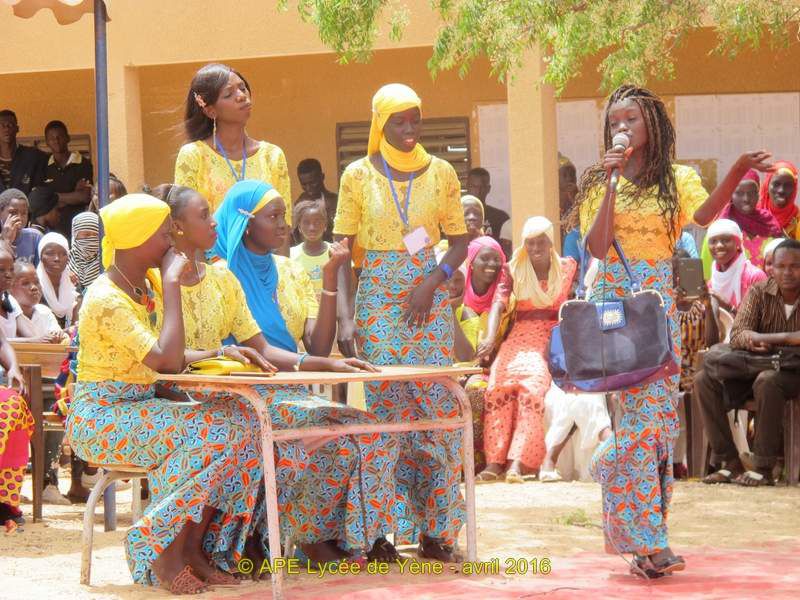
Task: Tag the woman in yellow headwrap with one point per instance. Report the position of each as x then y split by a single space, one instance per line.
513 426
393 202
203 460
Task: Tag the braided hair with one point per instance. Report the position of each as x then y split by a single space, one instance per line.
656 170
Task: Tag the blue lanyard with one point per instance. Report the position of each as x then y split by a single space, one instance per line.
221 150
403 212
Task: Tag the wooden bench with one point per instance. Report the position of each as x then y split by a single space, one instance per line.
39 362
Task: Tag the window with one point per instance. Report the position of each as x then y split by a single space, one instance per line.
445 138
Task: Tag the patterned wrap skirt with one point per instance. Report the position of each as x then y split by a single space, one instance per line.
634 466
16 428
426 464
197 455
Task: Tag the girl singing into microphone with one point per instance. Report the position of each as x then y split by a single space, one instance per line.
655 199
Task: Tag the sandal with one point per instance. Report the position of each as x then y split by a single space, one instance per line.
669 565
550 476
514 477
643 567
487 477
721 476
222 578
754 479
383 551
185 582
436 550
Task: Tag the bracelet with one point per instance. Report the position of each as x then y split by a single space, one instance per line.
329 293
448 270
221 353
299 362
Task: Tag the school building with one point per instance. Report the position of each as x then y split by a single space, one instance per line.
311 106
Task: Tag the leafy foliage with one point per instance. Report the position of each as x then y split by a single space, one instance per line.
637 38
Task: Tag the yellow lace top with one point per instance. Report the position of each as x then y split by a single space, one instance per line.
115 334
296 296
640 229
202 169
216 308
366 208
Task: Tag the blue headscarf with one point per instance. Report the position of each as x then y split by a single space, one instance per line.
257 273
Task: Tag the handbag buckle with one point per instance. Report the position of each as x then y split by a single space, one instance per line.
611 315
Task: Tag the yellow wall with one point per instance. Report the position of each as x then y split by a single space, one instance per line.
698 72
299 100
38 98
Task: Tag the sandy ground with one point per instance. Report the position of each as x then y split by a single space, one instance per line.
530 520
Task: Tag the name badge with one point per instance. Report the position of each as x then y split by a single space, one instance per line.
416 240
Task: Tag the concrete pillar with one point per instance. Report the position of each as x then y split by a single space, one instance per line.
126 152
532 146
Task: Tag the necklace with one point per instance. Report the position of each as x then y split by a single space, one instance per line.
137 291
146 297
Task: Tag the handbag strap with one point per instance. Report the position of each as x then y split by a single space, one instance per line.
636 284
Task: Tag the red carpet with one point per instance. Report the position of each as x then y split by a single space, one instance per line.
767 573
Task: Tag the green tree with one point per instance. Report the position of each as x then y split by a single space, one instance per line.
637 38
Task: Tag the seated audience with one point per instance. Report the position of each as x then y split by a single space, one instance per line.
21 167
16 429
769 251
479 184
778 195
68 174
251 227
84 253
13 323
58 290
206 495
769 317
312 253
758 225
116 190
44 214
484 268
312 180
14 211
565 415
28 294
567 191
519 379
732 273
473 216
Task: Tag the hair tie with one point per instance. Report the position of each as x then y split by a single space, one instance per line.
246 213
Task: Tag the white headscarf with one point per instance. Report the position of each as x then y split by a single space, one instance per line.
771 245
728 283
61 304
526 283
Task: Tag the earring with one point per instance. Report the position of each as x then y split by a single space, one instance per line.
214 131
179 232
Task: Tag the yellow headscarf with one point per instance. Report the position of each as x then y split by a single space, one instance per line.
129 222
526 284
390 99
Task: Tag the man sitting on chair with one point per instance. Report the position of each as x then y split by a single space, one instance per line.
769 317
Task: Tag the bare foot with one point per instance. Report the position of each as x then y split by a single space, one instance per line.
175 574
253 551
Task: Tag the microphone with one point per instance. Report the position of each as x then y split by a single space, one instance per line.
619 143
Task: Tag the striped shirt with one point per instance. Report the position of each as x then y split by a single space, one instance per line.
763 312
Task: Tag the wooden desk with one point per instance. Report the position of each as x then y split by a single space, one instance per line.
37 361
243 386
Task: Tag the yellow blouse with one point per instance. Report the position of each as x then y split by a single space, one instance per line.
202 169
366 207
216 308
296 296
475 326
639 228
115 334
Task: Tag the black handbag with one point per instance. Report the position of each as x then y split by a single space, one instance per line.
612 345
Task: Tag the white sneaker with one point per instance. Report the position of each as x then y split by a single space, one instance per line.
51 495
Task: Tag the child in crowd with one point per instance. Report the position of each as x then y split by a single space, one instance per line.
732 273
473 216
312 253
13 323
14 212
28 294
44 213
57 286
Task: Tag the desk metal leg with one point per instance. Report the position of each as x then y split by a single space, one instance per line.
270 488
468 462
